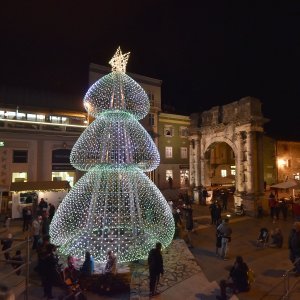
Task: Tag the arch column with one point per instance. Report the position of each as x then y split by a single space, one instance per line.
240 163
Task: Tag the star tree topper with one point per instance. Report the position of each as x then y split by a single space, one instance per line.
119 61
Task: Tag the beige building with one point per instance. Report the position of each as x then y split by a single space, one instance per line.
173 147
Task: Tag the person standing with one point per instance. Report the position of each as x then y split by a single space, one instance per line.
156 267
294 246
43 206
204 195
51 212
189 223
170 180
109 270
36 231
272 205
225 231
48 270
24 217
224 198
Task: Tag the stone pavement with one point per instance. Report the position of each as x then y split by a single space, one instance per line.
195 273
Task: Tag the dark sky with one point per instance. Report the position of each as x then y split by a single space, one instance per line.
207 53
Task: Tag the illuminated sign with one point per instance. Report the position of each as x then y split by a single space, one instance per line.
1 144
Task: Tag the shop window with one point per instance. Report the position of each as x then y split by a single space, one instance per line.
19 177
169 173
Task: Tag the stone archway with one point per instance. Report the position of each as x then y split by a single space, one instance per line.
240 125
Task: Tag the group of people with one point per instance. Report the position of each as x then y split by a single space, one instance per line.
277 207
73 276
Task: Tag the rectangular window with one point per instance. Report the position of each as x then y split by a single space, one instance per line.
183 152
183 131
168 131
19 177
20 156
151 119
223 173
232 170
151 98
169 152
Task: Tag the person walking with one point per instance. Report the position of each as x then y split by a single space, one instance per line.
156 267
225 231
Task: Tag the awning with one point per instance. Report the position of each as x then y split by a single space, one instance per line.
39 186
293 183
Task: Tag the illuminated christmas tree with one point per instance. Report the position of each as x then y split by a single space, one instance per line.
114 205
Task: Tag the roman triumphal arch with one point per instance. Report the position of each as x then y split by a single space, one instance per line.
239 125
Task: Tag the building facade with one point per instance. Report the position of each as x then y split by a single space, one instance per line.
173 147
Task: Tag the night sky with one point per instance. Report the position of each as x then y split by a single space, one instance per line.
206 53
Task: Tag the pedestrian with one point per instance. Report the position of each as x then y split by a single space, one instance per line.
225 231
6 244
18 261
110 270
283 208
170 180
224 198
212 208
45 224
51 212
189 223
48 270
36 231
156 268
294 247
28 218
272 205
88 266
204 195
237 280
24 217
42 206
218 238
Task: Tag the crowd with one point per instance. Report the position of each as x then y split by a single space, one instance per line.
73 276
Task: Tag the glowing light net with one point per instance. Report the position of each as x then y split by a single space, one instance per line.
114 205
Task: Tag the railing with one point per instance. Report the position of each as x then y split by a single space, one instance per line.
25 264
283 288
286 280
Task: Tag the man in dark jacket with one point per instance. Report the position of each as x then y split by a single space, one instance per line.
156 267
294 246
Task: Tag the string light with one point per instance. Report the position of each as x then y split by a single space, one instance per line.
114 205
